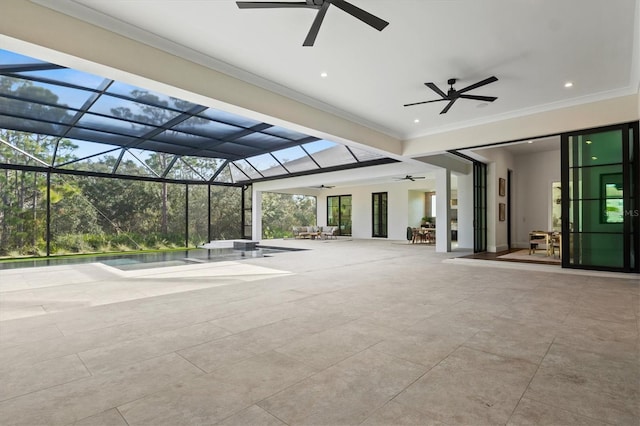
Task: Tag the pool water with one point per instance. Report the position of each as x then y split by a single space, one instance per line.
129 262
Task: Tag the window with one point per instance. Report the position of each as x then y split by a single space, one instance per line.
379 214
612 198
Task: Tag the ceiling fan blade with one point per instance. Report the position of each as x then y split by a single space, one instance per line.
448 107
478 84
479 98
272 4
366 17
315 27
436 89
426 102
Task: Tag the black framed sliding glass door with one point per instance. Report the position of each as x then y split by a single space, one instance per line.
479 207
379 214
600 186
339 213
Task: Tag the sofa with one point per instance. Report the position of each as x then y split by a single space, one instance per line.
329 232
312 232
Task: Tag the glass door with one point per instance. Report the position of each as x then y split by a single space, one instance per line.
599 217
479 207
339 213
379 214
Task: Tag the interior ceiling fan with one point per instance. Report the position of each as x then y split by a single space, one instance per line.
453 95
411 178
323 186
322 6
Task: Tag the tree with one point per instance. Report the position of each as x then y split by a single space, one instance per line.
280 212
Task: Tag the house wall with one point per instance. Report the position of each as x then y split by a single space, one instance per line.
416 208
532 195
398 208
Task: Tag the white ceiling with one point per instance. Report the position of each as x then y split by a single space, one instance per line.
532 46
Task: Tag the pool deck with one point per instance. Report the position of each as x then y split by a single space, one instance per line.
347 332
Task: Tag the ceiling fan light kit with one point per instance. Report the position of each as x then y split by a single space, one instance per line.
453 95
321 6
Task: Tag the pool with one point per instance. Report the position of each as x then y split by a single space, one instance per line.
136 261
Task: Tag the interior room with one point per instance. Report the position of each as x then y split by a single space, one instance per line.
532 197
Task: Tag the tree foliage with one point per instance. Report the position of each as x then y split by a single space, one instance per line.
281 212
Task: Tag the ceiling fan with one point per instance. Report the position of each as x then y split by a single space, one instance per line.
322 6
323 186
411 178
453 95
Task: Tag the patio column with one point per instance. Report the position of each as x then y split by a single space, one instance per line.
465 211
443 215
256 215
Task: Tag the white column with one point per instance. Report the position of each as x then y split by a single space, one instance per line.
443 216
465 211
256 216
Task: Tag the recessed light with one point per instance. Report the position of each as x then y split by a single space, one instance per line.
588 142
594 158
323 74
530 142
568 84
482 105
416 121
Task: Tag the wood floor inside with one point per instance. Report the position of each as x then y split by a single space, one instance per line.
496 256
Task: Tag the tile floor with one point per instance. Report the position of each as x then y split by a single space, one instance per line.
347 333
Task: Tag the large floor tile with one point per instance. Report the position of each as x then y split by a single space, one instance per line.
379 332
217 353
67 403
253 415
346 393
513 339
427 348
326 348
16 335
200 401
470 387
259 317
533 413
20 381
264 374
403 315
393 413
106 418
154 345
590 384
606 337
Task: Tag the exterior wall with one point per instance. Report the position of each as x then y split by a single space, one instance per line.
398 208
595 114
405 205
